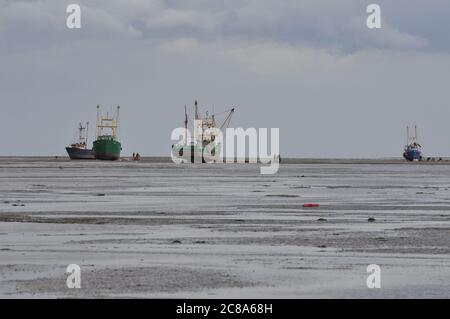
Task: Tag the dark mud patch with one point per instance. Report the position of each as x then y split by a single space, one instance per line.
131 281
283 195
25 218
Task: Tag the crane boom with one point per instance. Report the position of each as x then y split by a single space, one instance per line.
227 120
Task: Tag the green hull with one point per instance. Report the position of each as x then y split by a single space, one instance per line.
106 148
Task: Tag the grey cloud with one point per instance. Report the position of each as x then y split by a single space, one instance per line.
336 26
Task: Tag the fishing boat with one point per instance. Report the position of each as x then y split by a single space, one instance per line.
79 150
413 150
107 146
204 147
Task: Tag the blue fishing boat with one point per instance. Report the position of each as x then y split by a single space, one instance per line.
413 150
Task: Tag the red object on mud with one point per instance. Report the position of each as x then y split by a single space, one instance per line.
311 205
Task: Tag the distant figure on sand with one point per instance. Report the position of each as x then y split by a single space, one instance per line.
136 157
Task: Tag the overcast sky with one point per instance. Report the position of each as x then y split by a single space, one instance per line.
311 68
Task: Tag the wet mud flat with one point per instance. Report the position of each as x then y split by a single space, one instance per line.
156 229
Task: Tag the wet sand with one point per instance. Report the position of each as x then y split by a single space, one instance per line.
156 229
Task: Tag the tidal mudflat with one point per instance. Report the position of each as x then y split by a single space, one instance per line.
156 229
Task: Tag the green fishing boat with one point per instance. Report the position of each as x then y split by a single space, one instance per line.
106 146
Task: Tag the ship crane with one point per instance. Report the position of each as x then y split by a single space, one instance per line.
227 120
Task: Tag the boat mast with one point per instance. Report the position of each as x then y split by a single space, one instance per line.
185 125
115 123
98 122
197 116
198 125
80 133
415 137
87 133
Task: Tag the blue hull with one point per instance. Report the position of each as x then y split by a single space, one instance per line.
412 155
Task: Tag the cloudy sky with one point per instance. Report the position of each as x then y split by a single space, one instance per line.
310 67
